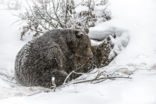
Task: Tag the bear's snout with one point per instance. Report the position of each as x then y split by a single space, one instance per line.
90 53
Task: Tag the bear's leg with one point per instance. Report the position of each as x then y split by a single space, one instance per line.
57 54
59 76
59 73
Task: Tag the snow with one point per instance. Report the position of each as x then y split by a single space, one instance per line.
138 18
81 8
135 91
120 41
135 18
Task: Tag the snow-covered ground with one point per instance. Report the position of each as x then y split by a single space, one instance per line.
137 17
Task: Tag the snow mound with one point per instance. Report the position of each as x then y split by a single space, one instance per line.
119 38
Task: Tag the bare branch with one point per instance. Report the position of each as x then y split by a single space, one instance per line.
73 72
55 12
100 79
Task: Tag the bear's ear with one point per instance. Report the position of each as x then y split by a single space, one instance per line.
86 30
79 34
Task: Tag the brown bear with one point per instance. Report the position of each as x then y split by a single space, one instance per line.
51 55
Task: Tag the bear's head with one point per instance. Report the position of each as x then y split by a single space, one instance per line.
79 43
83 48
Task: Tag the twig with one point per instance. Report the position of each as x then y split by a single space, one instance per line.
55 12
73 72
104 78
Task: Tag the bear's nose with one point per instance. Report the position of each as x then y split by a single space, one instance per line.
90 53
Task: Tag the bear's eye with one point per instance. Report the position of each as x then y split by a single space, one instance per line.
86 46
